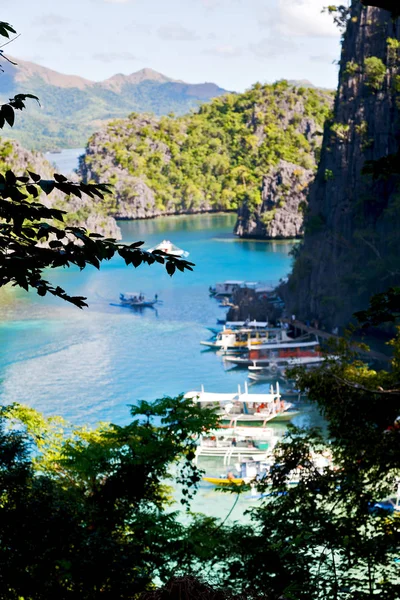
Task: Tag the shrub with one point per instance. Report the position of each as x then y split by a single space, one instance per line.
375 72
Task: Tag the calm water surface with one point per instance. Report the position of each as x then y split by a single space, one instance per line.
65 161
90 365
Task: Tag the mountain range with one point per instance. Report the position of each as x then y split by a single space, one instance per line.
72 107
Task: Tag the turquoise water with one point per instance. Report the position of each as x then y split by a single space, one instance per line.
90 365
65 161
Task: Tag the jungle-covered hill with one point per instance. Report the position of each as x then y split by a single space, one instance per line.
81 211
217 158
72 108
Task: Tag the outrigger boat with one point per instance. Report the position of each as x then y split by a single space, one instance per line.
227 288
244 409
236 442
136 300
245 338
278 365
244 472
266 355
170 248
234 325
256 470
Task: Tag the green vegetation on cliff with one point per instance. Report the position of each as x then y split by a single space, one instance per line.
81 211
211 160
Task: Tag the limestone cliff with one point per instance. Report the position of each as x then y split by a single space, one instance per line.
85 212
254 152
284 200
352 231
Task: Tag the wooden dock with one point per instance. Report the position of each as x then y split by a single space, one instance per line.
379 356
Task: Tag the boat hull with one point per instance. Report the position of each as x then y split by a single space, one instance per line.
252 421
223 480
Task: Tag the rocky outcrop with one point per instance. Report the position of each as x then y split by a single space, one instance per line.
253 151
284 201
133 198
83 211
351 241
285 188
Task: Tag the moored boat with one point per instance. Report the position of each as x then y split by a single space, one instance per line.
279 364
243 472
245 338
136 300
278 353
169 248
245 409
227 288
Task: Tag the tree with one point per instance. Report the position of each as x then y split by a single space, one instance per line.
328 536
91 515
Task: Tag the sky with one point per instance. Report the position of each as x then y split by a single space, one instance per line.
233 43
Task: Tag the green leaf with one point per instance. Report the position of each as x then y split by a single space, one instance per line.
10 178
47 185
8 113
34 176
170 268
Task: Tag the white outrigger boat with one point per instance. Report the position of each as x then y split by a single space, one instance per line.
234 325
245 338
227 288
227 446
244 409
244 472
259 371
136 300
170 248
286 348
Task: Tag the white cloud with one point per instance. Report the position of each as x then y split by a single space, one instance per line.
324 58
135 28
272 47
176 32
113 56
50 36
225 51
117 1
305 18
51 20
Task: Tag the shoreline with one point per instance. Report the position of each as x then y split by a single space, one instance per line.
186 215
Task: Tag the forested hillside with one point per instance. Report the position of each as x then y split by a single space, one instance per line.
81 211
216 159
72 108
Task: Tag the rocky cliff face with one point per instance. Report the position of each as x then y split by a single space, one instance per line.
133 196
285 188
254 151
352 230
284 201
83 212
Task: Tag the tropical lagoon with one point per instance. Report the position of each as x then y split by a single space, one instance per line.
90 365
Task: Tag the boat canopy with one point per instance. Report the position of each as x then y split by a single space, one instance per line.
211 397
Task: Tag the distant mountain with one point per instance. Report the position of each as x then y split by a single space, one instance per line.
72 108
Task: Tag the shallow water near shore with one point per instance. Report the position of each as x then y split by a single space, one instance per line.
90 365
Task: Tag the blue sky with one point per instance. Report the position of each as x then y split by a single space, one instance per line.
233 43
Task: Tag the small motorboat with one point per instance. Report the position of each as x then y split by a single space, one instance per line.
169 248
137 300
244 472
